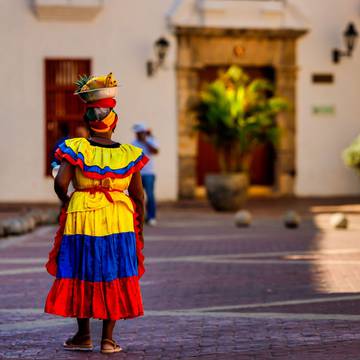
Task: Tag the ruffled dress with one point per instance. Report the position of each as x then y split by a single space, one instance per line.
97 255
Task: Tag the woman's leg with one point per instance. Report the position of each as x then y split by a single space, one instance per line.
82 338
108 327
108 345
148 184
84 327
151 206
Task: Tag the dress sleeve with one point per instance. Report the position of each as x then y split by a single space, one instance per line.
137 156
68 150
99 163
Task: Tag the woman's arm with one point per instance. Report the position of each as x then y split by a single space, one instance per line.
62 180
136 193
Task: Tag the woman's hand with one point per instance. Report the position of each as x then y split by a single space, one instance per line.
65 203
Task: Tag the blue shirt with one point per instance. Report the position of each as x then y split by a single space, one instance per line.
148 169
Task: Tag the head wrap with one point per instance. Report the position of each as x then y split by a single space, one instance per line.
108 123
98 93
102 103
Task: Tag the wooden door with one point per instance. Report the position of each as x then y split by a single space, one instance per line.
64 110
263 158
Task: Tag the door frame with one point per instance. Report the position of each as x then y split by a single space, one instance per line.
45 126
199 47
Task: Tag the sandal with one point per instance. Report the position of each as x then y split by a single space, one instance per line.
115 348
72 345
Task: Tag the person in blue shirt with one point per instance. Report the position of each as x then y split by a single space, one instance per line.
147 142
64 135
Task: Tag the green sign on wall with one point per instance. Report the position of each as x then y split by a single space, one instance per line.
323 110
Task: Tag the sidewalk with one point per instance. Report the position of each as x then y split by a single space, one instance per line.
211 290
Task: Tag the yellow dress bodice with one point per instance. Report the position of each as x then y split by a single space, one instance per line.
105 167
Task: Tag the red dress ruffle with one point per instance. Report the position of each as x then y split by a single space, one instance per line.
114 300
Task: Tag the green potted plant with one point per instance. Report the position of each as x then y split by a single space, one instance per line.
351 155
235 114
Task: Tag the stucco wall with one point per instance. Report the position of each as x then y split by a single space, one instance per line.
321 139
119 40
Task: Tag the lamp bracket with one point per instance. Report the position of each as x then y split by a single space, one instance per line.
350 36
338 54
152 67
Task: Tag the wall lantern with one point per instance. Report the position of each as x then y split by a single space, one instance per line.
161 48
350 37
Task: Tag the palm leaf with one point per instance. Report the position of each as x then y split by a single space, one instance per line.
236 113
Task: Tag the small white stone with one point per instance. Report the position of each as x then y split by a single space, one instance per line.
38 215
29 222
44 217
2 230
243 218
339 221
52 216
292 219
15 226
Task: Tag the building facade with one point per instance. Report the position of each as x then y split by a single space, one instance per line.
48 42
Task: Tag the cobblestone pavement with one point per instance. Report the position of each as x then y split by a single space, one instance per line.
211 291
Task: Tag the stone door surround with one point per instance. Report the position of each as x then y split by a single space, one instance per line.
199 47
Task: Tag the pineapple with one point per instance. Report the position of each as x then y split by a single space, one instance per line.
82 81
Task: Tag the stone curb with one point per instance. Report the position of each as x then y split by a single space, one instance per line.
28 221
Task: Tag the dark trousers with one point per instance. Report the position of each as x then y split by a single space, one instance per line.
148 182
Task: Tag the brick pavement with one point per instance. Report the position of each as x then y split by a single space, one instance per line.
211 291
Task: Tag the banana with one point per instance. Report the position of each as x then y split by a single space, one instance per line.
98 82
110 81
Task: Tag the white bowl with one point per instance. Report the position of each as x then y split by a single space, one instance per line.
97 94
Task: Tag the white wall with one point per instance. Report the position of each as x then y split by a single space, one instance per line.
119 40
321 139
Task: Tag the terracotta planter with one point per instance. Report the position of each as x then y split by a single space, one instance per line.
227 192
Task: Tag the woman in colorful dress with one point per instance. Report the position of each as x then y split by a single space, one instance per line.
97 255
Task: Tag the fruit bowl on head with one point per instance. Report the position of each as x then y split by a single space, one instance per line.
97 94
